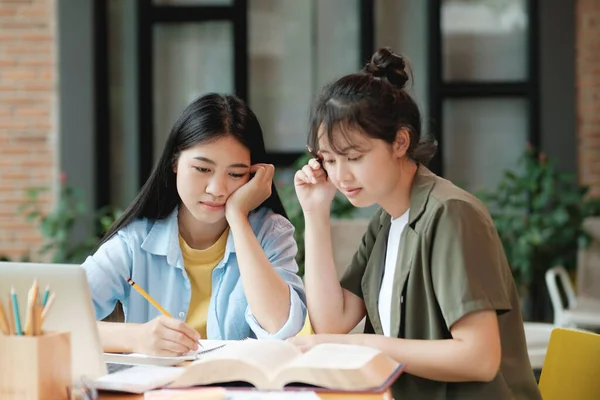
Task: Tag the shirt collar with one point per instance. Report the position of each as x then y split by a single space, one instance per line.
423 183
163 239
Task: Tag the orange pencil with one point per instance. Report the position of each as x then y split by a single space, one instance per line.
11 317
3 322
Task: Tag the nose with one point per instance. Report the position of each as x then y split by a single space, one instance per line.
217 186
343 173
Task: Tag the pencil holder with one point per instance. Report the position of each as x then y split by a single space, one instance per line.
35 367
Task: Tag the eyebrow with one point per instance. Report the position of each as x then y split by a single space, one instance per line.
342 151
208 160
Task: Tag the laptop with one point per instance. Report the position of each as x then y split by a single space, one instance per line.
73 311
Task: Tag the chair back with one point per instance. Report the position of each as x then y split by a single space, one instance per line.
571 366
553 290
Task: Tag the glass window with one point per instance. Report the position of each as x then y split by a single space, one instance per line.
190 59
123 112
482 138
484 40
403 26
295 47
193 2
337 36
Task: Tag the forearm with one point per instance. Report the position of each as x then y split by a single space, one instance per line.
117 337
268 294
447 360
325 298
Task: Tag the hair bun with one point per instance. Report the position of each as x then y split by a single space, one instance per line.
387 64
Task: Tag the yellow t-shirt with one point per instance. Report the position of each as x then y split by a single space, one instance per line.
199 265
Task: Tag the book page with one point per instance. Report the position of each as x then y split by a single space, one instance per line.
216 393
339 366
256 362
269 355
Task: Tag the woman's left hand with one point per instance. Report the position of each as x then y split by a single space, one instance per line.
305 343
253 193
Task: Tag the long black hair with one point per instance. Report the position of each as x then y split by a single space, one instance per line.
207 118
376 102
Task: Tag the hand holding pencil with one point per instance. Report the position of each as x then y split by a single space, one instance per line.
164 335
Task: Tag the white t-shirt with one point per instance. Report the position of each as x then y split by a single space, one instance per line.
387 286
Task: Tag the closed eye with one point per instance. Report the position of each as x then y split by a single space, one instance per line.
202 169
354 158
237 176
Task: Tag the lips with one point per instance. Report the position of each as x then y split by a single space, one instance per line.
212 206
352 192
208 203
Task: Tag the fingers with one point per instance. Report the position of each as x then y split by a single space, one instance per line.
263 171
300 344
175 347
300 178
180 326
313 172
166 348
180 332
270 172
315 165
257 169
183 342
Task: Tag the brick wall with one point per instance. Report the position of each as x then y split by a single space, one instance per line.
28 98
588 92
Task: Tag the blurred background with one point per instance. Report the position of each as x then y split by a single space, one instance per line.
510 88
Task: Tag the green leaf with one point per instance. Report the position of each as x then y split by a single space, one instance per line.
538 212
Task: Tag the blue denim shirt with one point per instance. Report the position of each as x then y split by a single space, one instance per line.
148 251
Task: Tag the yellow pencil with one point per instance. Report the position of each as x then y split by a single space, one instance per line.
3 322
38 318
147 297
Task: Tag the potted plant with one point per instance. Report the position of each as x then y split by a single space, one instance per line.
56 226
538 212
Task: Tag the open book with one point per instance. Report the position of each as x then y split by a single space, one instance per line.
277 365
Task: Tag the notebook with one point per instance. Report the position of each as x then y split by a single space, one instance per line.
208 346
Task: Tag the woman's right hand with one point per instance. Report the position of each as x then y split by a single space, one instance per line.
314 190
165 336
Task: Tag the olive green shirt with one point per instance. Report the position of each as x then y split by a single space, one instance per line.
450 263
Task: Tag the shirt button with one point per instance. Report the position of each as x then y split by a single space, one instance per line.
182 314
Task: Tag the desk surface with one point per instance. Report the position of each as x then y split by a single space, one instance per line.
324 396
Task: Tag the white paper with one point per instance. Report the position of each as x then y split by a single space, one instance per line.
137 379
208 346
260 395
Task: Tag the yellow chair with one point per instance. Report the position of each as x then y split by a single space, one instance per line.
572 366
307 328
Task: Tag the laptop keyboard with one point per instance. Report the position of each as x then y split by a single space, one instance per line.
113 367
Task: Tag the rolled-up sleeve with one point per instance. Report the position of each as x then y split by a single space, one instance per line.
280 247
107 270
468 266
